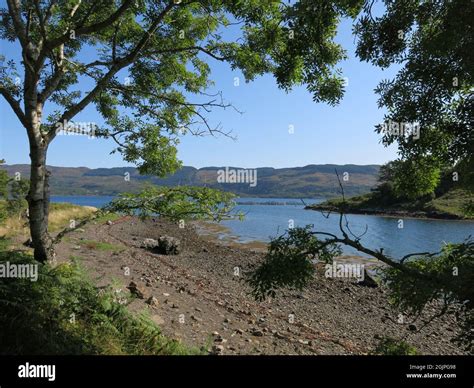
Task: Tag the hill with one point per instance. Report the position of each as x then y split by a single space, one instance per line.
297 182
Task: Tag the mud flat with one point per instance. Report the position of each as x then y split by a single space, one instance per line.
200 297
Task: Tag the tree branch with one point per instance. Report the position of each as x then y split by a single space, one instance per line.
14 105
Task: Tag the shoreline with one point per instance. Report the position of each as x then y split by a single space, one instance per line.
419 215
200 300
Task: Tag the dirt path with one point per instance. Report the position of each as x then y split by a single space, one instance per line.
201 298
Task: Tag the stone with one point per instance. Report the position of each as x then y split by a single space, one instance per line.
152 301
136 290
165 245
109 222
169 245
149 243
412 327
279 335
217 349
257 333
368 281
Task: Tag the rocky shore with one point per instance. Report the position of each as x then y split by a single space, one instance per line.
197 294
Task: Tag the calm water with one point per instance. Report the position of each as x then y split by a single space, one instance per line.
265 221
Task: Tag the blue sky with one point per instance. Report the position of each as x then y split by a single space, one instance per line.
322 134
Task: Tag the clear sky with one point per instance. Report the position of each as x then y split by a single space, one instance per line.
322 134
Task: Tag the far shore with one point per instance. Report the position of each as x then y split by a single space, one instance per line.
393 213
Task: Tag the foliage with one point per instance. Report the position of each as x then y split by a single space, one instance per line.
447 276
17 199
149 63
433 44
288 262
63 313
391 347
176 203
3 193
415 178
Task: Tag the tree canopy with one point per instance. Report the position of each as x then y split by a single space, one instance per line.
146 62
433 43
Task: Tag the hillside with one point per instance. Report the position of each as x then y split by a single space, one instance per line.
297 182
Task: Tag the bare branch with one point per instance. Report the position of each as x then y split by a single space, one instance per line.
14 105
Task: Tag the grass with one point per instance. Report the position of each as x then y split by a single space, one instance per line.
459 203
60 216
64 313
391 347
101 246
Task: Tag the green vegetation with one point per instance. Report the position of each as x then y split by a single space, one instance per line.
162 50
454 204
413 281
391 347
433 88
439 196
63 313
176 203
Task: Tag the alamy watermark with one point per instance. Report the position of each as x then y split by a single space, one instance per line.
19 271
401 129
239 175
348 271
84 128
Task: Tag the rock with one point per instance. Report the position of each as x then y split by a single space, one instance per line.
165 245
239 331
412 327
136 290
166 294
152 301
220 339
109 222
279 335
169 245
257 333
368 281
149 243
217 349
303 342
197 319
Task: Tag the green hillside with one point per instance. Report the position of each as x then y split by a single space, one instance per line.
307 181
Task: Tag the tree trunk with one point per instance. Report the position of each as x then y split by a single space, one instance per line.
38 205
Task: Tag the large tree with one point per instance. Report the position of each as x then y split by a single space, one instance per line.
433 44
141 63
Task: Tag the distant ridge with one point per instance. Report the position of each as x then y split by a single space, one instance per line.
293 182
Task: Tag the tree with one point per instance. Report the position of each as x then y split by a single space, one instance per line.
17 202
147 62
433 42
3 192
